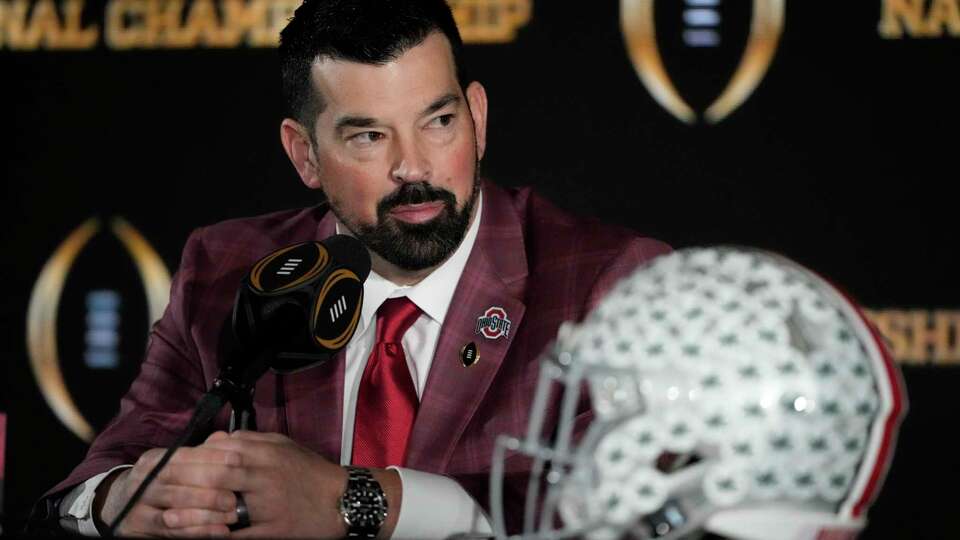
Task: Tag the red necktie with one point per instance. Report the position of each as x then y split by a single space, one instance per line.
387 401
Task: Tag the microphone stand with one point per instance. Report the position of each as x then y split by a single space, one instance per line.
239 392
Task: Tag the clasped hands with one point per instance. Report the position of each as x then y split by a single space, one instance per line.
290 491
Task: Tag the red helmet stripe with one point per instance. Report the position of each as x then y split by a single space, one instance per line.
891 426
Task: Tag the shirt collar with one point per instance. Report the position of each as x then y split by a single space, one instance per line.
433 293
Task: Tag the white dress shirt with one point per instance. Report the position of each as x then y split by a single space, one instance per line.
433 506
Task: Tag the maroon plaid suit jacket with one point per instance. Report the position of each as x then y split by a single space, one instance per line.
541 265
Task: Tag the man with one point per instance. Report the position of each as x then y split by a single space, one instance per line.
385 123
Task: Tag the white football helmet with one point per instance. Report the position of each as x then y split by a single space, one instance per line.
734 393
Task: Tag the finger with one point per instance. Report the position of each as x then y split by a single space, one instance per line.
204 476
193 517
203 454
259 436
200 531
254 452
178 496
199 454
218 435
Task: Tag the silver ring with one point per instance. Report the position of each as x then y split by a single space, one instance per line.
243 514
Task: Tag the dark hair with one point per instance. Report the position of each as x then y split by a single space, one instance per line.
365 31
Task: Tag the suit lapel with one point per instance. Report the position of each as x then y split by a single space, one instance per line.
493 277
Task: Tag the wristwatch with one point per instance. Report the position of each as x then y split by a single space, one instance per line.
363 505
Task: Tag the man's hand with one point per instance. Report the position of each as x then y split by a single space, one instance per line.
290 491
196 488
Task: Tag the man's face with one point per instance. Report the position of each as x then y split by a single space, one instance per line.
396 152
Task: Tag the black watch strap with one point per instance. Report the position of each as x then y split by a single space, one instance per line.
363 505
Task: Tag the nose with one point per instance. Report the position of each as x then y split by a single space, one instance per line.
411 163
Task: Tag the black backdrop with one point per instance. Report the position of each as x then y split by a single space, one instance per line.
843 158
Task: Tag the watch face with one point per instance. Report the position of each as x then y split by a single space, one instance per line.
364 508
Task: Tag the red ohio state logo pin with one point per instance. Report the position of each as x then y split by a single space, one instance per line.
493 323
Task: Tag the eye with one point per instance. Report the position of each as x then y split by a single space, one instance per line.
443 120
366 137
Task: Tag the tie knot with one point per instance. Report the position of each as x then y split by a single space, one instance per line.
394 317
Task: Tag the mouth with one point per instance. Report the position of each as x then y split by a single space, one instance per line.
417 213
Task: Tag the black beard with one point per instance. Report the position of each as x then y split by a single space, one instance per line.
416 246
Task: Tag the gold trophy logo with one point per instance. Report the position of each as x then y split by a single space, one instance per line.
639 30
45 303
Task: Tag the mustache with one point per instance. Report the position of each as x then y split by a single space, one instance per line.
415 193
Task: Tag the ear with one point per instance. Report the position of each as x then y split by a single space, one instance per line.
477 98
296 142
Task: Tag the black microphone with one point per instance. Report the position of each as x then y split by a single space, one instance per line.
302 303
295 308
